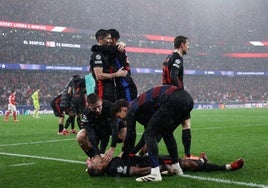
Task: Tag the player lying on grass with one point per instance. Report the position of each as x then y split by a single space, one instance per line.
135 165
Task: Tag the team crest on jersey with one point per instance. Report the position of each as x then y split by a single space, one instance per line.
98 57
122 169
84 118
178 61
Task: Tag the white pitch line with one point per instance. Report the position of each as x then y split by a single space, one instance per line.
38 142
50 141
22 164
194 129
217 180
40 157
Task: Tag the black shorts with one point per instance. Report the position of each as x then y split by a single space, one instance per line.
78 108
58 111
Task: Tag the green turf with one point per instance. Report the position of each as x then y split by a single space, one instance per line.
33 155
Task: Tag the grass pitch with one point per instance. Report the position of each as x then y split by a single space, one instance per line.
33 155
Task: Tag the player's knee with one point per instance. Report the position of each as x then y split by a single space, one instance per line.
186 124
81 135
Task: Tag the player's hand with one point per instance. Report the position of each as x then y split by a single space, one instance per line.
121 72
121 154
121 46
109 155
170 170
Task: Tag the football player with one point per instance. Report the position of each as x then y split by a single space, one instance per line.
137 165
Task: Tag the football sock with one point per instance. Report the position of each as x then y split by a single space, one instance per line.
78 120
35 113
14 115
178 168
60 127
7 114
228 167
67 123
211 167
72 121
186 140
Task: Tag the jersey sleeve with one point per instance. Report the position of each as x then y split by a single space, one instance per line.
114 123
96 60
175 69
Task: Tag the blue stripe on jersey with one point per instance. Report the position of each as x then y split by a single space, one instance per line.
152 94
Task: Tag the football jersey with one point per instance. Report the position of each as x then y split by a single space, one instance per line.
11 99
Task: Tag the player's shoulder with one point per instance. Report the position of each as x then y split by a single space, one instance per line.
86 112
107 104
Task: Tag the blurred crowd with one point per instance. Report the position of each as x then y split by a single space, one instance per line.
18 53
210 37
202 88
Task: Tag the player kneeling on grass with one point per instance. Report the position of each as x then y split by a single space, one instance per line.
134 165
101 120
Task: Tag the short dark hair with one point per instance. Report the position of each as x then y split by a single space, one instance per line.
94 173
116 107
76 77
114 33
93 98
178 40
101 34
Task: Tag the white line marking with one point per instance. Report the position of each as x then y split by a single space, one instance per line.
22 164
39 142
40 157
50 141
224 181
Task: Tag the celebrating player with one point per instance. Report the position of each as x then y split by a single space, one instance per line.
136 165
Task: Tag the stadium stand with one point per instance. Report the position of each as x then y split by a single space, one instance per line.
17 46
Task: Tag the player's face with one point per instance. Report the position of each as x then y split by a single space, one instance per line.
96 108
114 41
185 47
122 114
95 164
107 40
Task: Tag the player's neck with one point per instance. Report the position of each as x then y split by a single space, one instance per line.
178 51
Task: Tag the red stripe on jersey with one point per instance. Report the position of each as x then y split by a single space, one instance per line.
156 91
100 89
